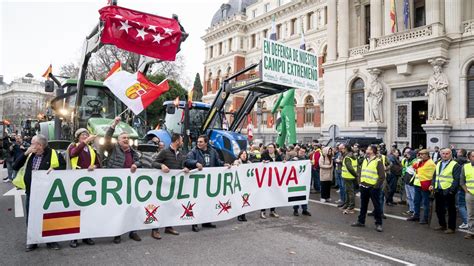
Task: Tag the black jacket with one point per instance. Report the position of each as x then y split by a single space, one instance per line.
266 157
170 158
116 157
45 165
196 156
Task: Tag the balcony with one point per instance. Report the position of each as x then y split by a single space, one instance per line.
400 38
358 51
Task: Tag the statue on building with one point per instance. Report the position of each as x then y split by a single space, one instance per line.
438 88
375 97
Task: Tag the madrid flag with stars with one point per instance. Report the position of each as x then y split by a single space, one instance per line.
140 33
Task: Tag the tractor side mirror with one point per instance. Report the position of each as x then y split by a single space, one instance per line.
170 109
49 86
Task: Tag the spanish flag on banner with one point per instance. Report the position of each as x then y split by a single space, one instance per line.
61 223
47 72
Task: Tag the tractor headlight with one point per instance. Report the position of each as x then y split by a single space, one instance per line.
135 143
101 141
114 140
235 148
130 142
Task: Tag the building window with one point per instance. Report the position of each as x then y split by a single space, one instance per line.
254 13
293 27
267 7
278 31
367 24
230 45
253 41
280 2
211 49
241 42
309 20
265 33
420 13
357 100
309 111
220 48
470 91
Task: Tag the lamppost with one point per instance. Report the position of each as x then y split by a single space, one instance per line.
259 117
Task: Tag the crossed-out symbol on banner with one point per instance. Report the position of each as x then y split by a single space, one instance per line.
188 211
150 215
224 207
245 198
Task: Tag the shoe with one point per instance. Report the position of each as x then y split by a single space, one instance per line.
341 205
469 236
413 219
171 231
6 180
370 214
195 228
53 246
209 225
117 239
357 224
262 215
155 234
464 226
322 200
383 216
274 214
339 202
348 211
306 213
378 228
241 218
134 236
409 213
295 213
88 241
423 222
440 228
73 244
449 231
31 247
337 191
328 200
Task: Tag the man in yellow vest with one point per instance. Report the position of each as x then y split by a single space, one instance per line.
349 176
467 184
445 183
37 157
424 171
81 155
371 180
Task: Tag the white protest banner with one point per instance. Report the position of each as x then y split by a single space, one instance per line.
289 66
77 204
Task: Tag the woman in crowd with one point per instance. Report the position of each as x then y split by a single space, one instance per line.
270 155
242 159
326 173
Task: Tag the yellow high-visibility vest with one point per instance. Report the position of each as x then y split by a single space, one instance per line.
445 178
19 180
369 174
345 173
424 173
469 174
74 160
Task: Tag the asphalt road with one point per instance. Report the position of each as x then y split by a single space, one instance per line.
324 238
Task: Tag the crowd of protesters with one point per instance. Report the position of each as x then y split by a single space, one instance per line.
373 173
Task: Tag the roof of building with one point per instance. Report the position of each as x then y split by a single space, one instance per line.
233 7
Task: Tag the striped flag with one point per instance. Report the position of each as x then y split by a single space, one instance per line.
61 223
393 15
47 72
296 193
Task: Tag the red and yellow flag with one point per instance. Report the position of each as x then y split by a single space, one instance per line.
61 223
47 72
393 15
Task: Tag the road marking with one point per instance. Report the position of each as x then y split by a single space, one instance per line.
357 209
377 254
18 201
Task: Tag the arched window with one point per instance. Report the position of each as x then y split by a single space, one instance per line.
309 111
218 80
470 91
357 100
208 83
227 73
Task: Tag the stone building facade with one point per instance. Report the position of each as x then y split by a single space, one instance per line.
382 83
24 98
233 41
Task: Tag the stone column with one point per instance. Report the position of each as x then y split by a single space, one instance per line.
343 30
332 31
387 21
375 21
433 16
453 11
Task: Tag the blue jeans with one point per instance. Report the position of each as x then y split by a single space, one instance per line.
316 179
461 199
410 191
422 197
340 184
10 171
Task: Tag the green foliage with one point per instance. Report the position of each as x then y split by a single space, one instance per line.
156 110
197 93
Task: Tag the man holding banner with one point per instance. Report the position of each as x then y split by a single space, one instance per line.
121 155
38 157
167 159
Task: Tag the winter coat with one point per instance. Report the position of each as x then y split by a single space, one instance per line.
326 166
196 156
116 157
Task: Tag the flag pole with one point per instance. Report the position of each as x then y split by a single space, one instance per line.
123 112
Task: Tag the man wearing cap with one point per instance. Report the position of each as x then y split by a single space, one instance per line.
424 170
81 155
